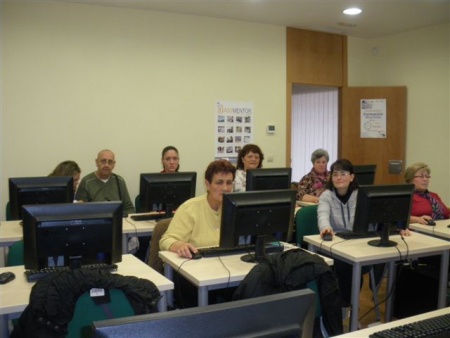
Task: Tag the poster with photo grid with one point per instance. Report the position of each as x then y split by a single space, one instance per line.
234 128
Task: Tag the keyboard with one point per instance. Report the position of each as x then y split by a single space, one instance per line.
357 235
216 251
148 217
436 327
35 275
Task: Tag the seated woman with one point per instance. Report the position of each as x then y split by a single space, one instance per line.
336 212
250 157
170 160
197 221
68 168
312 184
426 205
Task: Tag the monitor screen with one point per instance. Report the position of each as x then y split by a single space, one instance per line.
385 206
157 190
39 190
268 179
262 215
72 234
365 173
289 314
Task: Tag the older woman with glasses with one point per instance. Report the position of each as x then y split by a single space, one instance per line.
427 205
313 184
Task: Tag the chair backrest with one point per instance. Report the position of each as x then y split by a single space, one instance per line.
306 223
8 212
153 258
86 311
137 203
15 254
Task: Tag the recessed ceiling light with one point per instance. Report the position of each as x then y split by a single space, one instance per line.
352 11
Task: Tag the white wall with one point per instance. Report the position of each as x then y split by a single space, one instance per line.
419 60
79 78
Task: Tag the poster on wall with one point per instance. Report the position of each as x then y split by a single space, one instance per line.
373 118
234 128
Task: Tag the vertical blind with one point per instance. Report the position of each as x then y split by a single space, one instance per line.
314 125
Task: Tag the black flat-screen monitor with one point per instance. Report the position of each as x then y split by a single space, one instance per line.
289 314
262 215
72 234
38 190
157 190
385 207
268 179
365 173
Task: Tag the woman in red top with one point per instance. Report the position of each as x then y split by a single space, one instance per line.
426 205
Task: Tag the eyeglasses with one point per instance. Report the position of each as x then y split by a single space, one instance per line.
423 176
340 173
109 162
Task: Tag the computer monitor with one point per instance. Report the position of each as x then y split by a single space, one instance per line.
268 179
157 190
289 314
38 190
72 234
365 173
262 215
385 206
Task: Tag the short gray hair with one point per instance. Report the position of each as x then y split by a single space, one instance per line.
318 153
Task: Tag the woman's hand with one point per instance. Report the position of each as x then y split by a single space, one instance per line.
183 249
420 219
406 232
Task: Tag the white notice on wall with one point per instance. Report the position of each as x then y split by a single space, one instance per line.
234 127
373 118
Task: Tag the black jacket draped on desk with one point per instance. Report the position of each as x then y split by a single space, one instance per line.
293 270
53 299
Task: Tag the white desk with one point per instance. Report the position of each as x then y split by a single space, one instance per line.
210 273
304 204
10 232
367 332
358 253
135 228
439 230
15 295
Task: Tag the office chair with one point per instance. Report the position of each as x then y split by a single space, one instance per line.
86 311
306 224
153 259
137 203
8 212
15 254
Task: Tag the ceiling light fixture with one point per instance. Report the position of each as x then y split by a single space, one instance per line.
352 11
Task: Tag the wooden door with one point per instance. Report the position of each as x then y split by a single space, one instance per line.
379 151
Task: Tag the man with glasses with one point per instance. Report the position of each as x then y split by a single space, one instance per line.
103 185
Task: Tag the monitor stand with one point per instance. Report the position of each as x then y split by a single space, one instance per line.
260 255
384 240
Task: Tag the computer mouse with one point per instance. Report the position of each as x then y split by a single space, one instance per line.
430 222
196 255
6 277
327 236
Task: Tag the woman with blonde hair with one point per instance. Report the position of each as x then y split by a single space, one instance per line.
68 168
426 206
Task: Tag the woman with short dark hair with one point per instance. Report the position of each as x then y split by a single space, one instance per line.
197 221
250 157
